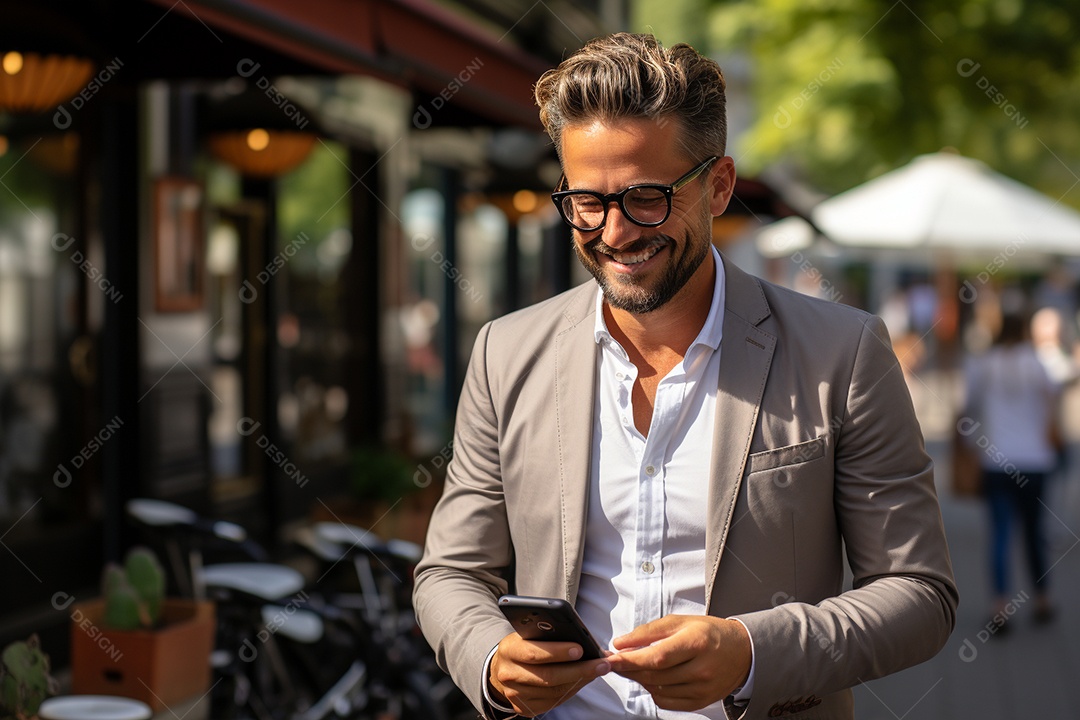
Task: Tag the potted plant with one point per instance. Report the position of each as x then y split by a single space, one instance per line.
388 492
24 679
375 479
380 475
134 642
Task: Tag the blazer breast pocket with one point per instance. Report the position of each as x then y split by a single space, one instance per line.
788 455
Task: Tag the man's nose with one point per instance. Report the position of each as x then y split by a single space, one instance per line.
618 230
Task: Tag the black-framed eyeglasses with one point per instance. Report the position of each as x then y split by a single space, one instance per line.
647 205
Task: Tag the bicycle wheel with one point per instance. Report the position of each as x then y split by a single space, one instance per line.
405 697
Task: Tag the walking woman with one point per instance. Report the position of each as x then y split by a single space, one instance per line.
1011 403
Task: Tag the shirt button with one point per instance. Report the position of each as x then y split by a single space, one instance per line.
647 567
620 376
650 470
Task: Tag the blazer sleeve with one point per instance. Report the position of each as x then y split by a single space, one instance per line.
468 556
902 606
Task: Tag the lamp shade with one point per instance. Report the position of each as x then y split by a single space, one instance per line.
58 153
33 82
262 153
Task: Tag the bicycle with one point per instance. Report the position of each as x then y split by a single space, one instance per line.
277 656
379 592
287 651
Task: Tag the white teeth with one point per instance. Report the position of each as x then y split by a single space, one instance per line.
635 258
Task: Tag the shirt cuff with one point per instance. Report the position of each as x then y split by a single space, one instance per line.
487 692
742 695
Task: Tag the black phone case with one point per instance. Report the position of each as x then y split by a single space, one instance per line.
549 619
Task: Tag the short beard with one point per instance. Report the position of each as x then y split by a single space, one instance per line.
633 297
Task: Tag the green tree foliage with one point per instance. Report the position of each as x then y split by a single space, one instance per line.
672 21
314 200
847 89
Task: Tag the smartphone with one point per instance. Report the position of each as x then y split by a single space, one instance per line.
549 619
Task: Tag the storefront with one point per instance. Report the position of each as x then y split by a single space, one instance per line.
239 241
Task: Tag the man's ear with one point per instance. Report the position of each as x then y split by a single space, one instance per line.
722 184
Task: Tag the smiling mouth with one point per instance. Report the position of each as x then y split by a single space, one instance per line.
633 258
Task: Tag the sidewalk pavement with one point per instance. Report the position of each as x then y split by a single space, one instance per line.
1034 671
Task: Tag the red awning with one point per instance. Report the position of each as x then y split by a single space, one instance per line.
412 43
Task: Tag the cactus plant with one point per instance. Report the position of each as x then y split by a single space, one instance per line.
380 473
147 578
24 679
134 593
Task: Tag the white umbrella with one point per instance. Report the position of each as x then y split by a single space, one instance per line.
784 237
944 201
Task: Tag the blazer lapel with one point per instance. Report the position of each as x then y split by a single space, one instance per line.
575 396
745 356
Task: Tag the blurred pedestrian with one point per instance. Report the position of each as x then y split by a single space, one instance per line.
1047 336
1011 401
1057 290
1049 330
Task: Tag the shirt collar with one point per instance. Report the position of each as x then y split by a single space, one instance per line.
711 332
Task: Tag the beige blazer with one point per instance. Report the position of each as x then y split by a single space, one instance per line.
817 452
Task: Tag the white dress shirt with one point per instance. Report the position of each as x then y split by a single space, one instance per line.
644 552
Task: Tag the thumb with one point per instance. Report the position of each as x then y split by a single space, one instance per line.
648 633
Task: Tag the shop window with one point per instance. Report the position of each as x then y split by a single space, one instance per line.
421 319
53 287
314 241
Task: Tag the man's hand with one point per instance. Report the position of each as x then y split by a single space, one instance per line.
534 677
686 662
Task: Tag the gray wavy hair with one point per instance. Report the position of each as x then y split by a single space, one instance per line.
628 75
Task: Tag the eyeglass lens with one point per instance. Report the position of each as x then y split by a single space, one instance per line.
644 205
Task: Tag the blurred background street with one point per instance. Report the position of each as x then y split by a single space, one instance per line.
1031 671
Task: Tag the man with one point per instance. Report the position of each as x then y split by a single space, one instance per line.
681 452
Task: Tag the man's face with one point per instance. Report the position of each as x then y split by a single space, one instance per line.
642 268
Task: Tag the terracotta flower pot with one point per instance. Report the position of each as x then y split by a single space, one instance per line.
161 667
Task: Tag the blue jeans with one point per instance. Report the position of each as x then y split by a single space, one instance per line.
1021 493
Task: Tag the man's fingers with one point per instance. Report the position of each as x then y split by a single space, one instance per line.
516 648
531 701
671 677
702 660
682 697
646 658
533 689
661 655
536 676
648 633
546 676
552 674
538 693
